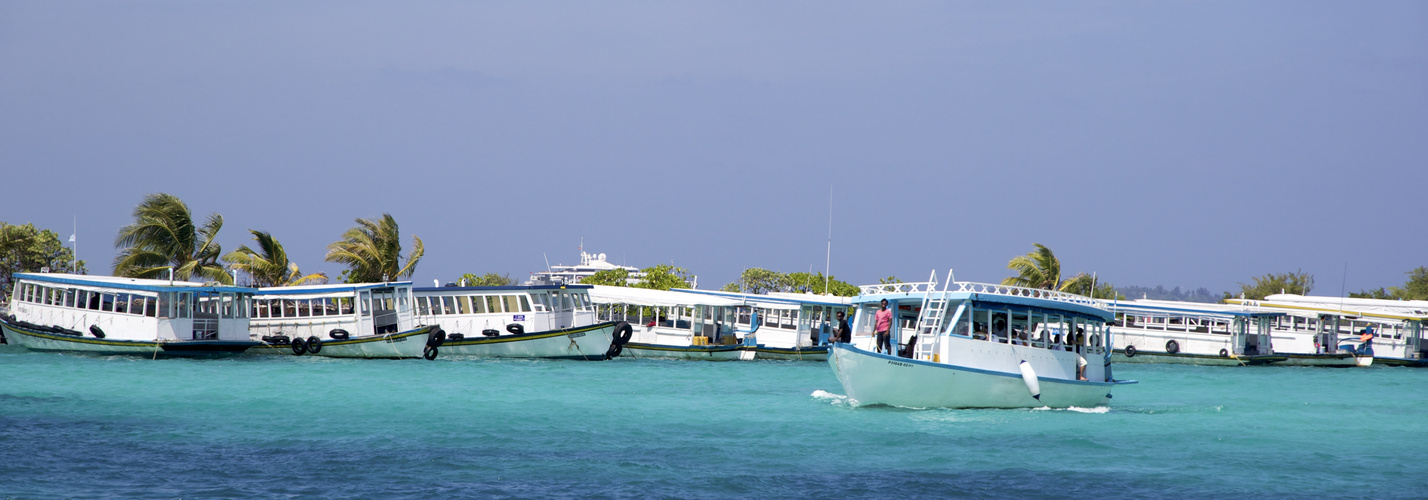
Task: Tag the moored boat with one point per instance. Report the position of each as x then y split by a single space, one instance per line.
114 315
792 326
1157 331
1358 331
550 321
671 324
361 320
974 345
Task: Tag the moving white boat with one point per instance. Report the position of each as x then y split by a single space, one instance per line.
551 321
670 324
1338 331
974 345
792 326
1161 331
365 320
112 315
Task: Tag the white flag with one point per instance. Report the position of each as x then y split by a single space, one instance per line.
71 238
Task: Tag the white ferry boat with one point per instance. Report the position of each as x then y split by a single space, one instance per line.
791 326
1334 327
550 321
113 315
670 324
974 345
1160 331
366 320
590 263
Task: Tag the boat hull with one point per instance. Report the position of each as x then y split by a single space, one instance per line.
1331 360
699 352
54 342
582 343
408 344
1194 359
816 353
872 379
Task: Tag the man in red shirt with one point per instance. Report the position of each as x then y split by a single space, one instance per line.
882 323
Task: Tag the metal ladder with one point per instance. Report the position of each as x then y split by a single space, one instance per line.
929 321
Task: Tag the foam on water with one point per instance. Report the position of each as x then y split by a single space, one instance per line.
280 426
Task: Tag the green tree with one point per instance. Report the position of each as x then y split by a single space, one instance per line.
608 277
815 283
1298 282
27 249
663 277
1083 284
759 280
1416 288
269 265
372 252
1038 269
488 279
1378 293
163 236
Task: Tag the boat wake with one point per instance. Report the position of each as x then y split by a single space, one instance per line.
1077 409
834 399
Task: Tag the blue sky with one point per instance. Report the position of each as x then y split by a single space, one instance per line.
1154 143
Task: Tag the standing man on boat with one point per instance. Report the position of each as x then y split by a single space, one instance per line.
882 323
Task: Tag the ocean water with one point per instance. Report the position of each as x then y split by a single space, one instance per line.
280 426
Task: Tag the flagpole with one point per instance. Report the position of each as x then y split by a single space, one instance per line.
74 247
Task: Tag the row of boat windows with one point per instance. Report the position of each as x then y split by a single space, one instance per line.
326 306
680 317
1175 323
205 304
472 304
1345 326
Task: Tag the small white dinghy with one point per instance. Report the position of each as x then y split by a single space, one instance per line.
978 345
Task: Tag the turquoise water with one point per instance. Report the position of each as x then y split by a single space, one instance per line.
279 426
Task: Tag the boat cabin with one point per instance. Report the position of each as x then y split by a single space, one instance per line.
359 309
786 320
131 308
672 317
493 310
1193 329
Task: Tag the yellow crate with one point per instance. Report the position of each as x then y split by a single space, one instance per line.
701 340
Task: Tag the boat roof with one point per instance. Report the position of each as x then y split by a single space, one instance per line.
1299 306
776 300
505 288
1004 294
124 283
604 294
328 289
1185 308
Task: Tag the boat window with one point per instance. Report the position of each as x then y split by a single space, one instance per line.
107 302
493 303
185 305
69 298
525 304
478 304
463 304
512 305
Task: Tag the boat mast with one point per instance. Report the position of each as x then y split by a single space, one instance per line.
828 257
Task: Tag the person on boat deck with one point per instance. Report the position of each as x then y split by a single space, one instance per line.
1080 367
882 323
999 330
842 333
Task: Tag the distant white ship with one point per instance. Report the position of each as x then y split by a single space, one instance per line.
590 263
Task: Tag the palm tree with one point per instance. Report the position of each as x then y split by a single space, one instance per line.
269 265
1038 269
372 251
163 236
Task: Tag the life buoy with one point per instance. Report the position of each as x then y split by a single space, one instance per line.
429 352
490 332
1130 351
623 332
1224 353
299 348
614 351
436 337
516 328
314 345
97 331
1172 346
339 334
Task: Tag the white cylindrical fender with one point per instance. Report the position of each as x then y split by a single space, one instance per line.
1028 375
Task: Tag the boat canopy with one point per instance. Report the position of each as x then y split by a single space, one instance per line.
116 282
1201 309
775 301
332 290
603 294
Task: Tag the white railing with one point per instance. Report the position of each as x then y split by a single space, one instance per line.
983 288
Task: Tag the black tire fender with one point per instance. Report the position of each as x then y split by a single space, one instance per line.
615 350
430 352
1172 347
314 345
339 334
1224 353
516 329
436 337
622 334
299 348
97 331
1130 351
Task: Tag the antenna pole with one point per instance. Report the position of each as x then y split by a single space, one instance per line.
828 258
